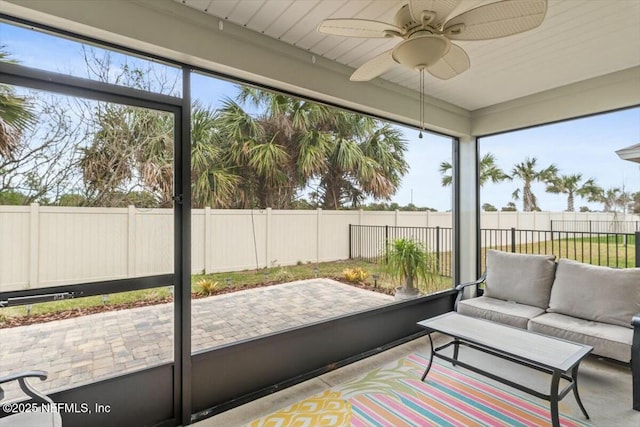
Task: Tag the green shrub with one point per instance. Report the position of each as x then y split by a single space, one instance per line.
283 275
409 262
3 319
355 275
206 287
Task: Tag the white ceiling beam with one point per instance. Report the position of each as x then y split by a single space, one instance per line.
605 93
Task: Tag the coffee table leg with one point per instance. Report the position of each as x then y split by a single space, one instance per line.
456 347
574 375
426 371
553 398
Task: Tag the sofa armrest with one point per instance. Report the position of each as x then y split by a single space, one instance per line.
635 361
461 287
22 377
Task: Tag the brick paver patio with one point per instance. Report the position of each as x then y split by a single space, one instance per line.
83 349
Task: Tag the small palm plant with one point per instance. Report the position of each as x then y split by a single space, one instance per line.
206 287
355 275
409 261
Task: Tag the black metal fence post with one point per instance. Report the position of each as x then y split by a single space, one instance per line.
386 244
513 239
350 240
637 244
438 249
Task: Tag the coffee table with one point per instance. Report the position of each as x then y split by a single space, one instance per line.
555 356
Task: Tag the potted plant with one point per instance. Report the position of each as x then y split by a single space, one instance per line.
409 262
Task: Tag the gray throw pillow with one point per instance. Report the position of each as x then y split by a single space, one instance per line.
523 278
601 294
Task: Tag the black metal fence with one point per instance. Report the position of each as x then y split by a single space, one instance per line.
614 249
369 242
589 226
597 248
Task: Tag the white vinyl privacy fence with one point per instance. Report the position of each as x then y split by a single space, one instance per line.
44 246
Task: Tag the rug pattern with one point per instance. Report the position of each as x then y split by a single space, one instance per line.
394 396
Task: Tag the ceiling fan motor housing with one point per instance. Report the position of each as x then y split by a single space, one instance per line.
421 50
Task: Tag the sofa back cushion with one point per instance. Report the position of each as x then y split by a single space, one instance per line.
523 278
601 294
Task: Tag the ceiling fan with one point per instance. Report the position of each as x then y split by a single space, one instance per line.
427 34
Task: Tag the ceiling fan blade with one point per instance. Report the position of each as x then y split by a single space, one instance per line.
374 67
494 20
456 61
358 28
442 8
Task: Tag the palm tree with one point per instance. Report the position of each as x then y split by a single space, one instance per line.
290 143
246 160
528 173
610 199
571 186
489 171
364 160
16 116
256 150
131 147
134 147
213 183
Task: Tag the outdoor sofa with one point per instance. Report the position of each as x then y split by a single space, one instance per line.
593 305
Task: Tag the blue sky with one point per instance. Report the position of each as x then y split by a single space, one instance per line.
585 146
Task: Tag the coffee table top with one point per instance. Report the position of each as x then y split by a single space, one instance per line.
550 352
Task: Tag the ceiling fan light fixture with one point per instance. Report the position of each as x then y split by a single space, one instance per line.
421 51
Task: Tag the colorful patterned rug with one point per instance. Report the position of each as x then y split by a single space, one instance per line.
394 396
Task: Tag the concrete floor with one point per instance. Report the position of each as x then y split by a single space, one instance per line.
605 387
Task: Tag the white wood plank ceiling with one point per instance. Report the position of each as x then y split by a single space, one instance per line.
578 40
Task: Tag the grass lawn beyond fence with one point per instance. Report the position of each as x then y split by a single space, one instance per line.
609 251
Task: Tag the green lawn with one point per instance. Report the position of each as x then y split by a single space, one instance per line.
225 282
620 239
307 271
601 250
79 305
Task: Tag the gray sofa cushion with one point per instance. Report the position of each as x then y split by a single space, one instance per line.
596 293
607 340
523 278
500 311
